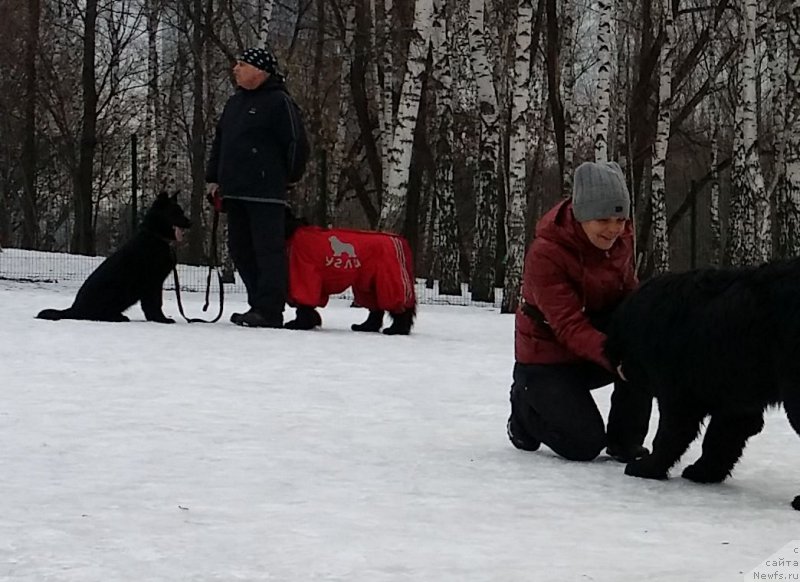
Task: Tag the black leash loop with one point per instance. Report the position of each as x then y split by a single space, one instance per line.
212 267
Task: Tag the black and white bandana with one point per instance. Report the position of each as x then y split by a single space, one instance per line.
261 59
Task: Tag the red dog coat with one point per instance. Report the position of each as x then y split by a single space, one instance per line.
378 266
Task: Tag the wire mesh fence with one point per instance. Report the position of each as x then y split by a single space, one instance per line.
62 268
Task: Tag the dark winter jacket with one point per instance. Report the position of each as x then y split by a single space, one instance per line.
566 282
253 141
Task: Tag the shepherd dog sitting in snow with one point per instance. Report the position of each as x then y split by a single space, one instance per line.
135 272
324 262
721 343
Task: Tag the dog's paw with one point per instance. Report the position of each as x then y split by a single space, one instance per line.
164 319
796 503
701 472
645 469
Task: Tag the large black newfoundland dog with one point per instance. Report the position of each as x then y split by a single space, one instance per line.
721 343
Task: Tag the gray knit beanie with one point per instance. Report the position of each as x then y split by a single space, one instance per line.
600 192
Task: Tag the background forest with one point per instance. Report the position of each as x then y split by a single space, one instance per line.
455 122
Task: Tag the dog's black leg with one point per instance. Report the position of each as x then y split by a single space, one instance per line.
305 318
677 428
151 306
401 323
54 314
791 404
374 322
723 444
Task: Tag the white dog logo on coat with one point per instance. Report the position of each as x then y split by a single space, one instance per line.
340 248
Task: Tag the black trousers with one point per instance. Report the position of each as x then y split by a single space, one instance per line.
257 242
553 404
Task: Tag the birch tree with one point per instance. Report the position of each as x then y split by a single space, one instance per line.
604 40
518 141
658 193
386 110
567 59
394 200
264 19
153 102
750 219
716 130
790 188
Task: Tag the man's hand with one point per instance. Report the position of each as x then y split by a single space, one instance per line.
213 196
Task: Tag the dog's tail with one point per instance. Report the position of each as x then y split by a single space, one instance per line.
54 314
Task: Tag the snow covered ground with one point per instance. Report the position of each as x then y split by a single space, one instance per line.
141 451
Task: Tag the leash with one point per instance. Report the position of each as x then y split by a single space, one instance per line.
212 267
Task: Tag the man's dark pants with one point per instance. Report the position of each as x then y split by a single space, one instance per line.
257 242
553 404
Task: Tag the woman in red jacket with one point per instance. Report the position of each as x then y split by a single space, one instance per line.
577 270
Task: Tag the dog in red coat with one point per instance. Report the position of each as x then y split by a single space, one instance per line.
326 261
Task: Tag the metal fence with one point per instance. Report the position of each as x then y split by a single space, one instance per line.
62 268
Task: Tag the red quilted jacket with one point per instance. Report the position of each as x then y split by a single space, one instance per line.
567 279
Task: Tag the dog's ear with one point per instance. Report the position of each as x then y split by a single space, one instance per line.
163 196
174 197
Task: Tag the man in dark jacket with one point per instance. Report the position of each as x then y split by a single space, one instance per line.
248 167
577 270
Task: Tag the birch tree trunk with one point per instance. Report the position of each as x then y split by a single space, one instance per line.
755 176
604 39
658 194
777 74
387 97
568 90
716 130
446 232
394 200
83 232
265 17
153 106
482 276
790 188
750 207
518 141
739 247
335 168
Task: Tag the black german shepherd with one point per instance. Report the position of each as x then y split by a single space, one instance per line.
135 272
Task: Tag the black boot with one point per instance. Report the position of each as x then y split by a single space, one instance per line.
305 318
515 430
236 318
401 323
254 318
374 322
